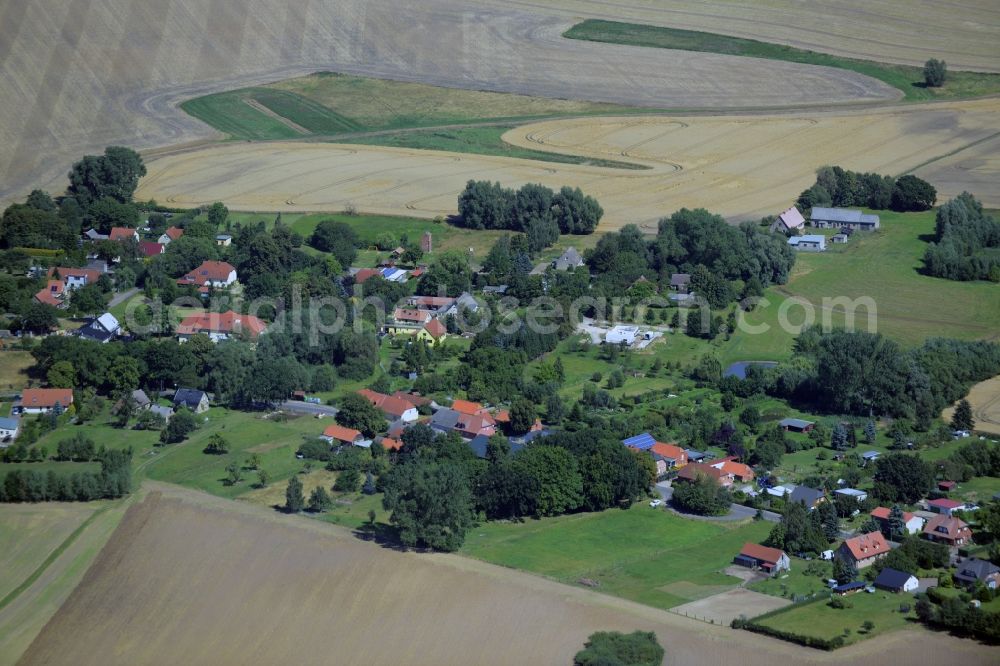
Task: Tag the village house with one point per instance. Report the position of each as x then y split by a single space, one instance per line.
974 570
220 326
102 329
858 495
74 278
214 274
9 429
670 456
171 234
164 412
94 235
433 331
948 530
193 399
338 435
808 497
768 560
680 282
53 293
826 218
731 468
864 550
790 222
692 471
42 400
912 523
123 234
395 409
150 249
897 581
568 259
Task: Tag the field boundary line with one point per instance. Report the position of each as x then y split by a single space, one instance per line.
52 557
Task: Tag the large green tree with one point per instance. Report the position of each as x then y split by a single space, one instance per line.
355 411
702 496
114 174
430 503
901 477
612 648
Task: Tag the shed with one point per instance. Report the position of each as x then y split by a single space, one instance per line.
894 580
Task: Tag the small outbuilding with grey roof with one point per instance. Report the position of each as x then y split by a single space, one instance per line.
894 580
9 428
568 259
810 497
796 425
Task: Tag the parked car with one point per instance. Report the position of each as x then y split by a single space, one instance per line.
655 503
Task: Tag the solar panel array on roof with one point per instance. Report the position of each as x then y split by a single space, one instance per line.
642 442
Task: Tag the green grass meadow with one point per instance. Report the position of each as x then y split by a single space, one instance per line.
643 554
906 78
818 619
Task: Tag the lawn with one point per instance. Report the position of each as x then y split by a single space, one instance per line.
14 366
977 489
275 442
796 582
884 266
818 619
646 555
908 79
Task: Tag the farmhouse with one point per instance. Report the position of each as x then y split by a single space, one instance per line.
911 523
339 435
42 400
216 274
621 334
948 530
736 470
796 425
808 243
395 409
824 218
567 260
864 550
411 318
894 580
9 428
808 497
433 331
975 570
670 456
220 326
770 560
693 471
945 506
193 399
790 222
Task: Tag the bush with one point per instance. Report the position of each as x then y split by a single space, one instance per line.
608 648
935 73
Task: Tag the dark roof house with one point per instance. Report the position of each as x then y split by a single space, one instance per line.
894 580
810 497
193 399
975 570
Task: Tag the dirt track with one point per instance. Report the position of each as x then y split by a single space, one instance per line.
189 578
76 76
739 166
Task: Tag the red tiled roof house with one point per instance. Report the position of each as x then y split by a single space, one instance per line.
42 400
220 326
948 530
864 550
217 274
769 560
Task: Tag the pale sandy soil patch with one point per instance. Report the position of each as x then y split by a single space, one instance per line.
743 167
725 607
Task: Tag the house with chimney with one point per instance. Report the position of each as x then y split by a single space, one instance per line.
220 326
864 550
211 274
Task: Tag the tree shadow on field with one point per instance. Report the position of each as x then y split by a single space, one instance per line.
384 535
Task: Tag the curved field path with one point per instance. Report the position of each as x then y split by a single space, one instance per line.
743 167
77 75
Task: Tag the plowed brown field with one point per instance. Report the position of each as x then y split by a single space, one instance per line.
193 579
739 166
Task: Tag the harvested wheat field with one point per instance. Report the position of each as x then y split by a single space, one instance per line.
985 400
739 166
77 76
189 578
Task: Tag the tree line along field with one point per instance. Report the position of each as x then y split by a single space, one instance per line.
906 78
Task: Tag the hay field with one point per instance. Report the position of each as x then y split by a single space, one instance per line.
985 400
77 76
189 578
739 166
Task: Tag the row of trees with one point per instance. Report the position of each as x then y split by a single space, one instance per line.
835 186
966 242
535 210
113 480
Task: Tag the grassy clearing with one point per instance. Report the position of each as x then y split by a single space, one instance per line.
906 78
885 266
14 366
481 141
795 582
653 550
818 619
